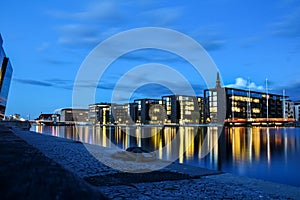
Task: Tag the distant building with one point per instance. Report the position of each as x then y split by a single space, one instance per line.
121 113
100 113
5 79
297 111
219 105
48 117
74 114
106 113
237 105
215 107
133 110
143 110
182 109
288 109
124 113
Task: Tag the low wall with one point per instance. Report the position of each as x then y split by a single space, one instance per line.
25 125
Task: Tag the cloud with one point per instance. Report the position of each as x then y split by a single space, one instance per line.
78 34
65 84
78 41
241 83
78 29
89 26
162 16
54 61
45 83
103 10
43 47
33 82
99 20
151 55
289 26
56 81
292 90
212 44
251 41
209 38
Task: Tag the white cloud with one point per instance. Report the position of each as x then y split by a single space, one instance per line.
241 83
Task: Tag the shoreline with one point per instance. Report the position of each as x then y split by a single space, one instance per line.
200 183
270 124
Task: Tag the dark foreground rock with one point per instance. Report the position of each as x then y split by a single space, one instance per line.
25 173
130 178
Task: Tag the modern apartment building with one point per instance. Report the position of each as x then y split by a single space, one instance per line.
143 110
183 109
219 105
100 113
121 113
236 105
74 115
297 111
6 71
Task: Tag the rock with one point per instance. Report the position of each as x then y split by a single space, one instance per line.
137 150
137 154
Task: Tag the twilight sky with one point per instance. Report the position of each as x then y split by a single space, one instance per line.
48 40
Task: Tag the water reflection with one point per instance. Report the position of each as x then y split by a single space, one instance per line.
260 152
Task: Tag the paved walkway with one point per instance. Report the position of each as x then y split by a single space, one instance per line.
25 173
174 182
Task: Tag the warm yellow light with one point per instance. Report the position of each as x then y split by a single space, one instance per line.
236 109
245 99
255 100
255 110
213 109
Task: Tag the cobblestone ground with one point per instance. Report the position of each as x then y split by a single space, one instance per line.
26 173
68 153
203 188
74 157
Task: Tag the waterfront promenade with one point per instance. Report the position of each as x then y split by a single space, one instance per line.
40 166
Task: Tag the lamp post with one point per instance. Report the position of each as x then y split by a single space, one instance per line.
267 100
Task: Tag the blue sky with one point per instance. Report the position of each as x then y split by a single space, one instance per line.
48 40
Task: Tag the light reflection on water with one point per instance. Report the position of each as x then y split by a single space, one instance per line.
260 152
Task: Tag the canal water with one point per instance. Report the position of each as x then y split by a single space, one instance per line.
266 153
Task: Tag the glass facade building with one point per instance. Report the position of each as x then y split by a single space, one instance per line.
74 115
5 79
218 106
183 109
146 115
100 113
232 105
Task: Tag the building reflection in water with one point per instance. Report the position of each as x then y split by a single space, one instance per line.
260 152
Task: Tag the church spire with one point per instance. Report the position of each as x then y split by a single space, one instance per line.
218 82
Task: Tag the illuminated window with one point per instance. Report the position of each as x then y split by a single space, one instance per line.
255 100
213 109
188 112
236 109
255 110
156 110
